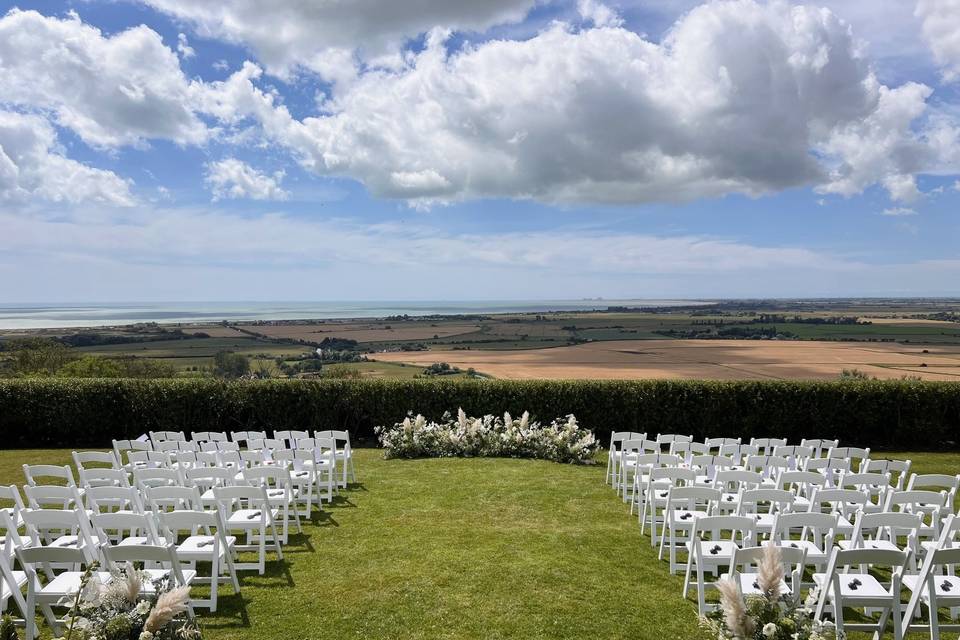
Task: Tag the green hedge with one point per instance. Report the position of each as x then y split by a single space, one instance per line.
88 413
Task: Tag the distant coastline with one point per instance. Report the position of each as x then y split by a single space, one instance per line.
80 315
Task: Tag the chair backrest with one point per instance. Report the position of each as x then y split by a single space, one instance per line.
49 558
692 498
173 498
769 466
898 470
670 440
44 525
756 501
850 454
819 528
87 459
767 445
144 478
716 443
678 476
919 501
844 502
209 436
230 499
116 526
36 472
886 526
735 528
734 480
209 477
52 496
936 481
793 560
739 451
158 436
801 483
226 445
112 498
103 477
164 555
820 446
123 446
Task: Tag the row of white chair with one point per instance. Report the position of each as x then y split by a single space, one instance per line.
824 517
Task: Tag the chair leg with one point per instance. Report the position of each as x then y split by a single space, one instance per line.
686 577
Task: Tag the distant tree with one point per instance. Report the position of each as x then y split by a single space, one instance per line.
855 374
227 364
342 372
38 356
129 367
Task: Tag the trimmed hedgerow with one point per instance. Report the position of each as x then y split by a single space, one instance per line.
88 413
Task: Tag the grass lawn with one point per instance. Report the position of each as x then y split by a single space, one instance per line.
461 548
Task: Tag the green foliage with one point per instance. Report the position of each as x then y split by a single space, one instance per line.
8 628
855 374
46 412
227 364
37 356
341 372
440 369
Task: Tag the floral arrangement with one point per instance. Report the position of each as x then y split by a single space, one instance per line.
563 440
121 610
771 616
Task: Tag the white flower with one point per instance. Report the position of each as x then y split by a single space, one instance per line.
770 630
146 635
142 608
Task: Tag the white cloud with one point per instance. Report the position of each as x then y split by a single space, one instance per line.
33 169
598 13
941 30
899 212
232 178
110 90
292 34
183 47
740 97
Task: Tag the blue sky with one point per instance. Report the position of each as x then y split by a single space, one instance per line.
174 150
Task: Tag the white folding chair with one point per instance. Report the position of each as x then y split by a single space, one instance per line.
684 506
812 532
883 531
744 569
935 587
53 497
215 547
843 502
343 453
121 447
280 493
937 482
764 505
61 528
875 485
839 587
205 479
897 470
144 478
613 453
713 541
668 440
248 510
159 561
851 454
659 483
11 582
802 484
60 587
797 455
731 482
173 498
716 443
768 466
163 436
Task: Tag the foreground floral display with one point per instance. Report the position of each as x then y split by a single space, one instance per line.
563 440
770 616
120 609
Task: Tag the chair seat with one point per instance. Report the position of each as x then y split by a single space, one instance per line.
946 587
814 553
765 521
67 584
719 551
684 518
869 586
749 586
201 547
868 544
19 577
135 541
249 518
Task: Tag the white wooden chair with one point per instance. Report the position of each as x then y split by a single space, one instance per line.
731 482
764 505
796 455
613 453
53 497
11 581
684 506
103 477
121 447
897 470
934 588
937 482
156 477
173 498
343 453
214 547
883 531
159 562
839 588
743 569
802 484
851 453
713 541
843 502
655 494
94 459
668 440
248 510
876 485
108 499
714 444
62 529
768 466
11 494
643 465
707 467
41 474
812 532
205 479
61 585
280 493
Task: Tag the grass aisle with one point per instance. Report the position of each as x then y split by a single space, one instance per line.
456 548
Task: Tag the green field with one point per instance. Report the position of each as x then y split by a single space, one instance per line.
462 548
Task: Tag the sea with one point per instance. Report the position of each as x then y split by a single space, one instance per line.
54 316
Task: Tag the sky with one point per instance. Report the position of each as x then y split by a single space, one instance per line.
155 150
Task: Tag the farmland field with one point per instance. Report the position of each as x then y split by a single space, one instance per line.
726 340
703 359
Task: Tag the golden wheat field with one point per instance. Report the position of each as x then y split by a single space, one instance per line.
709 359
